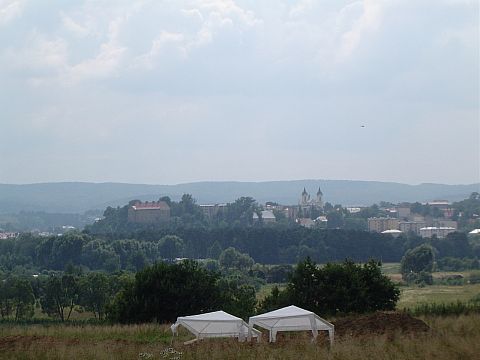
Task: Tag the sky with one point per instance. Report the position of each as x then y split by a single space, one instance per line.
166 92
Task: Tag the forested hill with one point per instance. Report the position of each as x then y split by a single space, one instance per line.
75 197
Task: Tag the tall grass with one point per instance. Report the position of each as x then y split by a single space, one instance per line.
452 337
445 309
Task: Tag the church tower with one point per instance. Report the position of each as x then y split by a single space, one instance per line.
319 201
305 197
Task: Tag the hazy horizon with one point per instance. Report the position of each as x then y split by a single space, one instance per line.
152 92
235 181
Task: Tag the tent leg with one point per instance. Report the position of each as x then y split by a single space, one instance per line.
331 336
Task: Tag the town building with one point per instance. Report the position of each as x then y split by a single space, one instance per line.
306 222
153 212
212 210
403 212
267 216
445 223
381 224
8 235
411 226
439 232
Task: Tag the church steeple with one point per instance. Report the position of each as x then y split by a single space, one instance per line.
319 198
305 197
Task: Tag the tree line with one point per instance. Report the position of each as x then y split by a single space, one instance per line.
265 245
164 291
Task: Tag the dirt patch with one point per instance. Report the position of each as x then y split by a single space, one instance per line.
379 323
13 341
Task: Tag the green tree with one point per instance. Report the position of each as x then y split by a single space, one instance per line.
232 258
418 259
95 292
238 299
6 298
22 298
60 296
163 292
171 246
417 264
337 287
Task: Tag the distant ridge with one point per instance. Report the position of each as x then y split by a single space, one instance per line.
77 197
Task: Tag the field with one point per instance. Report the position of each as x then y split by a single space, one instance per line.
449 338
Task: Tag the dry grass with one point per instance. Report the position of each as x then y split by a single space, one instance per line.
412 296
450 338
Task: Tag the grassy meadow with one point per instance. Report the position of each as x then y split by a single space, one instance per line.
449 338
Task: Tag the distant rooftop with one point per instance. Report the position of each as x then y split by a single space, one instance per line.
153 205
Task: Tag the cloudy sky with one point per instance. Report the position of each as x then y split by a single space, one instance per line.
177 91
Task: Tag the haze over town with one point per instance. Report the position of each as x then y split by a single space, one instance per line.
181 91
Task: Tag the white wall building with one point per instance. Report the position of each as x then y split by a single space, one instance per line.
439 232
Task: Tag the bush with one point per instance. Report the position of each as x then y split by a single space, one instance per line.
163 292
336 288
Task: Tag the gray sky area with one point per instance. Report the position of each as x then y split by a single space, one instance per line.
178 91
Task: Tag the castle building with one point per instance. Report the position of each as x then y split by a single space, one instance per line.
148 212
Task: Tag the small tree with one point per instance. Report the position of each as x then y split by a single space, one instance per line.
95 292
417 265
232 258
60 296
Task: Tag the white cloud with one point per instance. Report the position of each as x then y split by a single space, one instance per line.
10 9
74 27
159 45
254 74
369 21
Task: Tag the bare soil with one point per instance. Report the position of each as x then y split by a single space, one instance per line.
379 323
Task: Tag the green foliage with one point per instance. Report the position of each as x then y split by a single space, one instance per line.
455 264
60 296
95 292
57 251
163 292
171 247
16 298
455 244
419 259
337 288
474 278
231 258
238 298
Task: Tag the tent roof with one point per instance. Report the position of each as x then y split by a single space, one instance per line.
288 311
211 316
214 324
290 318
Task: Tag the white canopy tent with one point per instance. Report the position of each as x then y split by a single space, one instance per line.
214 324
290 318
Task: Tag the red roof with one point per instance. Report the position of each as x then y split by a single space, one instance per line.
153 205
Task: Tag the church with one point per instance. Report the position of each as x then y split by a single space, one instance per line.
305 200
310 207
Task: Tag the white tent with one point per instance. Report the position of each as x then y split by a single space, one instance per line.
290 318
214 324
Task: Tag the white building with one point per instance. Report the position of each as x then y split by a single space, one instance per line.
267 216
439 232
